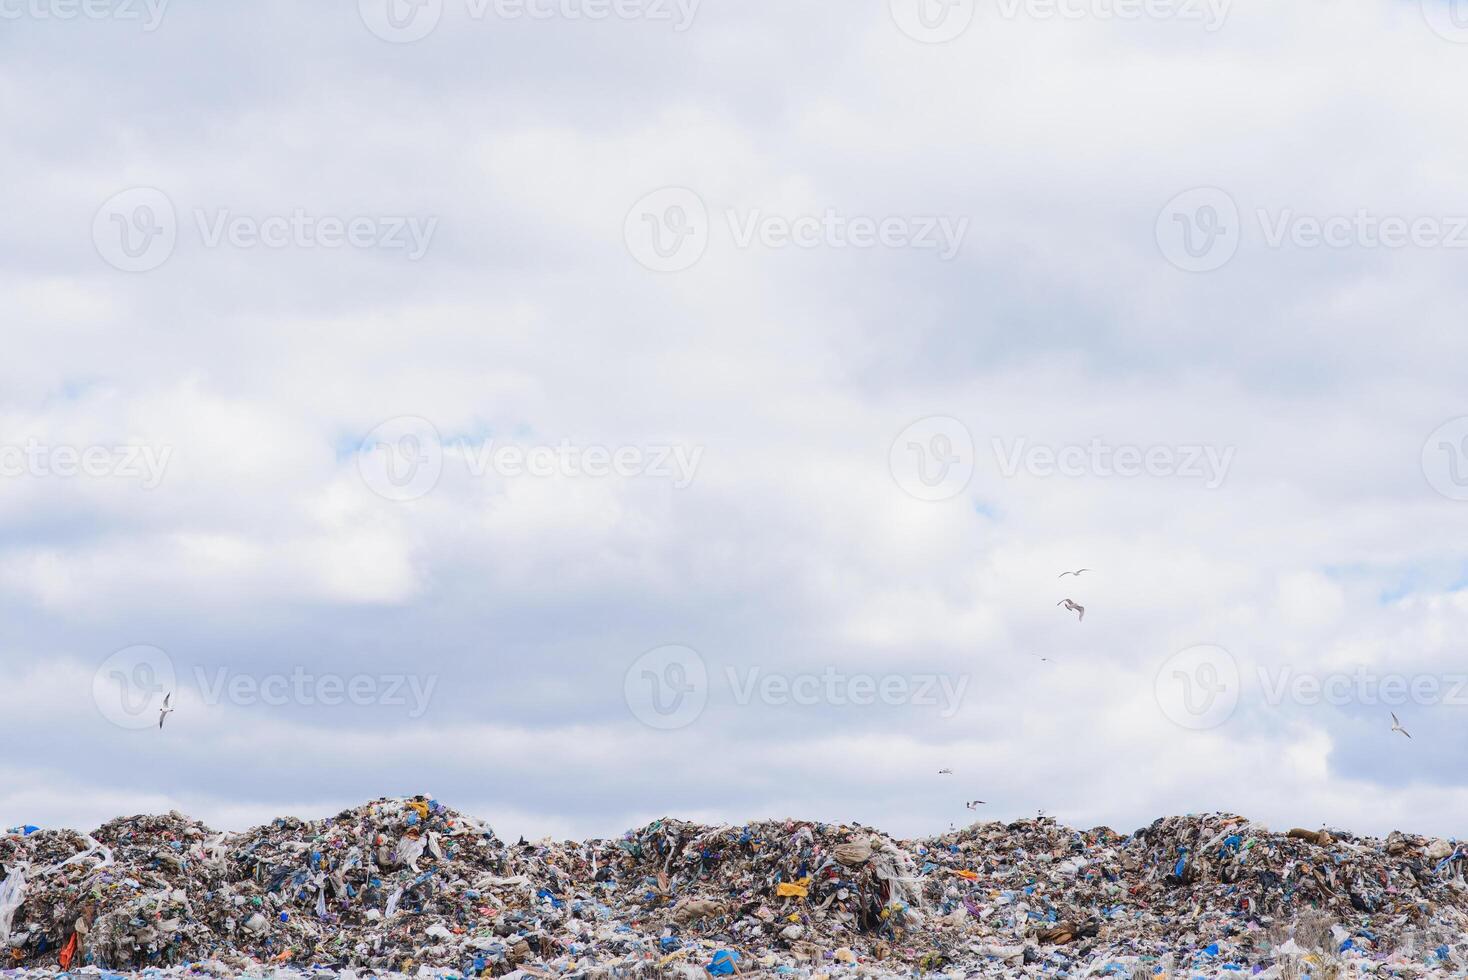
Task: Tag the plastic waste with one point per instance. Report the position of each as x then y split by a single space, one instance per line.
410 887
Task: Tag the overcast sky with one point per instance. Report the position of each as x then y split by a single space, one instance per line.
590 410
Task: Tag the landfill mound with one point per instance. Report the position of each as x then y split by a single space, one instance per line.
410 886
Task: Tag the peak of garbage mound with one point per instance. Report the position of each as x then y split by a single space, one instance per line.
408 885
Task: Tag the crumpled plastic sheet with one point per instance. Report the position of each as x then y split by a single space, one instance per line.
12 893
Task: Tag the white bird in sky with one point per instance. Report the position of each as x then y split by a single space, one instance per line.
1076 573
945 772
975 804
165 711
1397 726
1081 610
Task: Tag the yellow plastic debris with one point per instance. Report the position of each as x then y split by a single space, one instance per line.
799 888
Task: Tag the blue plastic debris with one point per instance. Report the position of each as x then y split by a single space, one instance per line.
723 962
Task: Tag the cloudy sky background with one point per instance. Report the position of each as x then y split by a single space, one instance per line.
1332 545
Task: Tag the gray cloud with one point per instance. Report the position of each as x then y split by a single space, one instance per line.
527 319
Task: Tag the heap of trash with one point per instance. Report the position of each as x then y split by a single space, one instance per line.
412 887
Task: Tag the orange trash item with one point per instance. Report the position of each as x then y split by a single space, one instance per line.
68 952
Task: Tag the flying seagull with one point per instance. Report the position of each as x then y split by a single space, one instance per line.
1076 573
975 804
945 772
1397 726
1067 603
165 711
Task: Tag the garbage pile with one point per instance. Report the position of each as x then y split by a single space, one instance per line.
412 887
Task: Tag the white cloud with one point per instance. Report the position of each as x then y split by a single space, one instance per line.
1317 374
